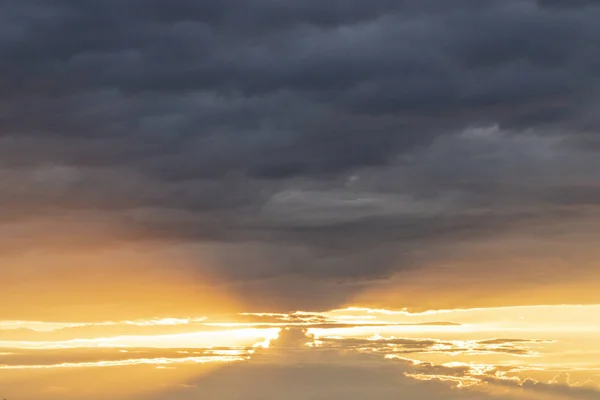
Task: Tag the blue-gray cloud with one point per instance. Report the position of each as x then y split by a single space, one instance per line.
324 140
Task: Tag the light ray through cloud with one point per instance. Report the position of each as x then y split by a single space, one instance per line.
299 199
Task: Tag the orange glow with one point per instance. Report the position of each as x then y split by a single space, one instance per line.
509 344
79 286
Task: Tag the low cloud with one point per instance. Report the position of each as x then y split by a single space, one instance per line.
293 370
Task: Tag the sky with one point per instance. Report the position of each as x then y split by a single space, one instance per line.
299 199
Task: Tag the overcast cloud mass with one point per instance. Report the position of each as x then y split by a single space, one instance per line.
306 154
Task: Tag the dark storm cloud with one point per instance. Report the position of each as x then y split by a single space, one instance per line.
331 138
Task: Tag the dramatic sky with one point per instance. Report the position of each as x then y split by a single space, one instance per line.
293 188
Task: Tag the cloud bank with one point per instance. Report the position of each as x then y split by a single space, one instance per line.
278 149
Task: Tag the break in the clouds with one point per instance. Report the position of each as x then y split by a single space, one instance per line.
291 147
517 353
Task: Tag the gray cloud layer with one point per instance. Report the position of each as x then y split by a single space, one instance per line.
328 140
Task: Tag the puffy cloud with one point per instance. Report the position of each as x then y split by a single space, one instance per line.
292 370
297 364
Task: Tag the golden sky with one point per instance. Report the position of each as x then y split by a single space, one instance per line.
299 199
546 352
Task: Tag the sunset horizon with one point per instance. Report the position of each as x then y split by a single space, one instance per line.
300 199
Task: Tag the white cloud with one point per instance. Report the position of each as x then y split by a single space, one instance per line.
292 371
